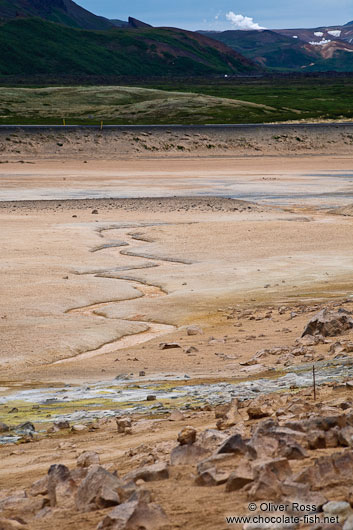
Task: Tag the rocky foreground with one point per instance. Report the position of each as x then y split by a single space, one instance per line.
283 459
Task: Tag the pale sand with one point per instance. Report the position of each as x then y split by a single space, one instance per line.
71 287
204 259
281 179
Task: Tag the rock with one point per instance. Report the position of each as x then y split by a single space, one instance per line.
191 349
261 446
123 424
40 487
234 444
168 345
242 476
185 455
4 427
11 524
20 504
151 397
328 471
26 427
176 415
309 340
187 436
94 212
212 438
213 461
212 477
268 479
98 490
316 439
14 410
230 416
256 411
348 525
158 471
194 330
342 509
292 451
88 458
325 423
345 436
61 486
61 425
134 515
329 323
79 428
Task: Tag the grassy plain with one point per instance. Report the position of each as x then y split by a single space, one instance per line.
182 102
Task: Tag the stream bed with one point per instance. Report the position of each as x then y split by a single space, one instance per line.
83 403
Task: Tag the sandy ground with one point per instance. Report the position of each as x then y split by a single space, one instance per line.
73 284
90 288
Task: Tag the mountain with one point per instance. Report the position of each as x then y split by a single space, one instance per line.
60 11
267 48
308 49
33 46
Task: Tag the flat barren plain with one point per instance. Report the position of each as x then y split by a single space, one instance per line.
156 282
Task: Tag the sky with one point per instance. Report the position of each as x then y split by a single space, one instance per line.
225 14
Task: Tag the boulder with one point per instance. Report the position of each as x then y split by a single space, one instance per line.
61 425
316 439
186 455
257 411
134 515
328 471
4 427
229 416
124 424
212 477
212 439
269 477
234 444
176 415
187 436
88 458
348 525
40 487
262 447
329 323
11 524
194 330
79 428
26 427
57 474
342 509
169 345
98 490
158 471
242 476
345 436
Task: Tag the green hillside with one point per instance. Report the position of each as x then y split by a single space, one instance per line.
31 46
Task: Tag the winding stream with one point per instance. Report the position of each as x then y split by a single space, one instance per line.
152 329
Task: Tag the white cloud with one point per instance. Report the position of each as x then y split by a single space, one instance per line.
241 22
335 32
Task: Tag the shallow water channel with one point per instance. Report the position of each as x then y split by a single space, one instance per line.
81 403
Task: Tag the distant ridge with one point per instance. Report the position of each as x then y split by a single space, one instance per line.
61 11
33 46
